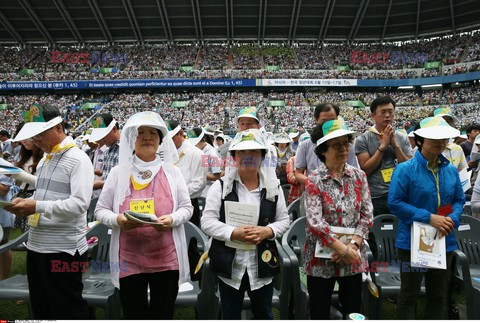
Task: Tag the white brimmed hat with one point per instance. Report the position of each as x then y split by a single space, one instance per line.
148 119
477 140
173 131
248 140
411 134
100 128
209 130
444 112
334 129
249 112
293 133
436 128
281 138
193 137
87 134
304 136
35 123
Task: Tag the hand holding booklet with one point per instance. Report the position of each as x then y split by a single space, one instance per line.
343 234
427 249
142 217
240 215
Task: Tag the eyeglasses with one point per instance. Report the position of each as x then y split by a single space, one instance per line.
338 146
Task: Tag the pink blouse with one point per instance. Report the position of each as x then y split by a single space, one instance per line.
144 249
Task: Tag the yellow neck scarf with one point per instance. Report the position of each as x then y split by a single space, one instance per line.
138 186
58 149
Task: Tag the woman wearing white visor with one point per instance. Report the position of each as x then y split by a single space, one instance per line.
149 256
245 258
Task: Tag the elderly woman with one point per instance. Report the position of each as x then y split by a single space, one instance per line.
426 189
339 213
152 256
245 257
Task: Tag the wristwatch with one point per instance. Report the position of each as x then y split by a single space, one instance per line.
355 243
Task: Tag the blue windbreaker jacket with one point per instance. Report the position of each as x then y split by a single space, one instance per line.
413 196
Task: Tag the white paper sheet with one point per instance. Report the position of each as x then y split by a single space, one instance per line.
239 215
344 235
465 179
427 249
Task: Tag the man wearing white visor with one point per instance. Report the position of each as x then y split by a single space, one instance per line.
106 132
210 159
190 163
294 135
57 219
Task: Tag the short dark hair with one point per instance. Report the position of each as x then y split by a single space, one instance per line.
471 127
381 100
325 107
108 118
50 113
418 140
323 147
5 133
173 124
316 133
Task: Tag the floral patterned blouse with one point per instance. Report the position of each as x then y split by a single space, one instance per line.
344 203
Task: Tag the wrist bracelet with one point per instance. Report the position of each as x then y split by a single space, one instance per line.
380 150
355 243
346 251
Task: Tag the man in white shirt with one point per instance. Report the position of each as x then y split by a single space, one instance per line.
57 247
190 163
106 133
210 159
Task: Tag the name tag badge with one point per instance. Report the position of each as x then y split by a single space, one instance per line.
387 174
146 206
33 220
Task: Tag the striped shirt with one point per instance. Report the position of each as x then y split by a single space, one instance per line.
454 154
63 190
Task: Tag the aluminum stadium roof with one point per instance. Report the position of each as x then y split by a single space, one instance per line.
89 21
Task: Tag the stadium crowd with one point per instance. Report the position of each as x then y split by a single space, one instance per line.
219 109
454 55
